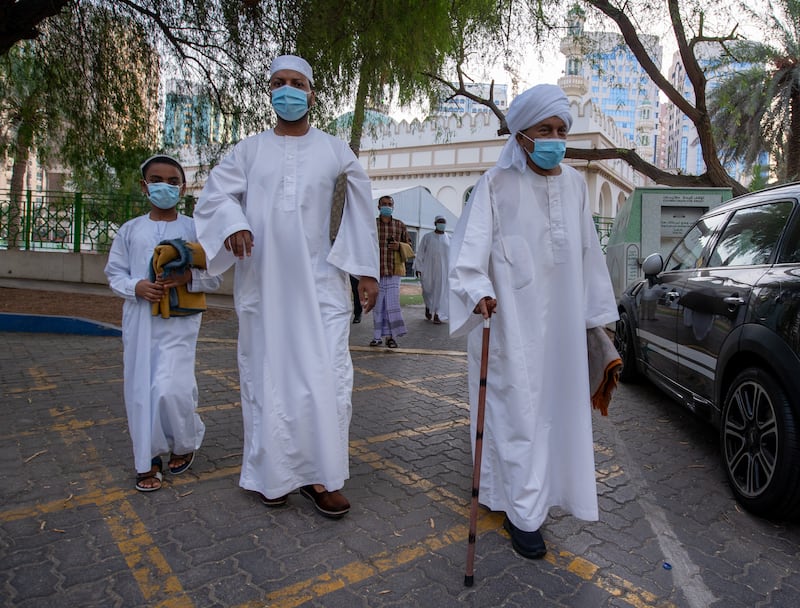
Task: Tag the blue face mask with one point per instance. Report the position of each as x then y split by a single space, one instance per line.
386 211
290 103
440 226
547 153
163 195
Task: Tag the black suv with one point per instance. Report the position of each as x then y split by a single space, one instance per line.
718 328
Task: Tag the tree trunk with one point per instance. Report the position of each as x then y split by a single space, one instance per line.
16 208
359 112
793 141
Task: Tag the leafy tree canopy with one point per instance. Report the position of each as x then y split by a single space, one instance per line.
373 50
756 108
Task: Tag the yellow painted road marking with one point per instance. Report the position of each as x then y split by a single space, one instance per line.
356 572
407 351
411 386
40 382
104 496
147 564
153 574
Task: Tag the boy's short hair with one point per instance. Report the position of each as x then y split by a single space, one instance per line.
162 158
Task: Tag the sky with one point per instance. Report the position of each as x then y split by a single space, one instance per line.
549 68
534 71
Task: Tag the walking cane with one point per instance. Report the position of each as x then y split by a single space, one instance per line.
469 578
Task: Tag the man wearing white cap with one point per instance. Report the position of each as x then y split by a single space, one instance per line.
267 208
433 257
525 252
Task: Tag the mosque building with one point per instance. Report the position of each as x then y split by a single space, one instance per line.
447 153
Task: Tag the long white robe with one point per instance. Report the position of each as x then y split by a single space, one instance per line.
160 389
292 297
529 241
432 260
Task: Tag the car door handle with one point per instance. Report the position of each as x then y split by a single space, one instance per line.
733 301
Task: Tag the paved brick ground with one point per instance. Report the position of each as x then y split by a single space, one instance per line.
74 532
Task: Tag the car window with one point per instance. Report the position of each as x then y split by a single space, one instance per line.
790 251
687 253
751 235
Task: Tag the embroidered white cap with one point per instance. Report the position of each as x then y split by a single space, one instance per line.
292 62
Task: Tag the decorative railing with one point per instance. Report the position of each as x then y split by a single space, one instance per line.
67 221
603 226
75 221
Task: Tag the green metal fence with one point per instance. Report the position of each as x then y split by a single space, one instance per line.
603 226
66 221
75 221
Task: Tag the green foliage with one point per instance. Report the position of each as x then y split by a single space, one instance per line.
24 85
99 65
107 88
84 96
759 178
370 53
758 108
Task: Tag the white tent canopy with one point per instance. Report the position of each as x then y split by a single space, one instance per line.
417 208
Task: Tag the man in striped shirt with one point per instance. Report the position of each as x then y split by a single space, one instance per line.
386 316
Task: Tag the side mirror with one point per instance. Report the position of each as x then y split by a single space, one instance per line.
653 264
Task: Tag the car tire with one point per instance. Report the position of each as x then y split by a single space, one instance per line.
623 341
760 445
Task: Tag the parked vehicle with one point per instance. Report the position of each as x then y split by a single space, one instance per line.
717 326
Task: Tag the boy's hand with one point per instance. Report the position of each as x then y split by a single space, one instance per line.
175 280
152 292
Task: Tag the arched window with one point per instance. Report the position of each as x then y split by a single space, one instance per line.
467 194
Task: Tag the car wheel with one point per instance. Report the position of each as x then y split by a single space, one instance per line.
623 341
760 445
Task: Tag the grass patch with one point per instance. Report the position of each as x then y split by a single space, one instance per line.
406 300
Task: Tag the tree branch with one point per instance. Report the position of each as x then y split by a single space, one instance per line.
631 37
461 89
659 176
19 20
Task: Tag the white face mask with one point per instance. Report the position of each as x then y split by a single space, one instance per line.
440 226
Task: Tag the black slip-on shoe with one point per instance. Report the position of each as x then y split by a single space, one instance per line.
273 502
527 544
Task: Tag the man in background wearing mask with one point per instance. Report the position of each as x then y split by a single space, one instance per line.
267 207
525 252
433 256
158 353
387 318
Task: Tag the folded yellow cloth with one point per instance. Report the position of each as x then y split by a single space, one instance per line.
174 257
604 368
401 256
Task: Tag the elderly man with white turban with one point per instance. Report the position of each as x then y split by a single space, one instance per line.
525 252
267 208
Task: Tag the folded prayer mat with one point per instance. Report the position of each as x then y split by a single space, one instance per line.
400 256
174 256
605 366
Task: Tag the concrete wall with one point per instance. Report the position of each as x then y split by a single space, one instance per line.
67 267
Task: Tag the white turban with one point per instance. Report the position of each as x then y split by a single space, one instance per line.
292 62
531 107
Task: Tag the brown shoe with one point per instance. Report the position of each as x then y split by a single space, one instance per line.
330 504
273 502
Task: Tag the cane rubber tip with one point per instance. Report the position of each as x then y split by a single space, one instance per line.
469 579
